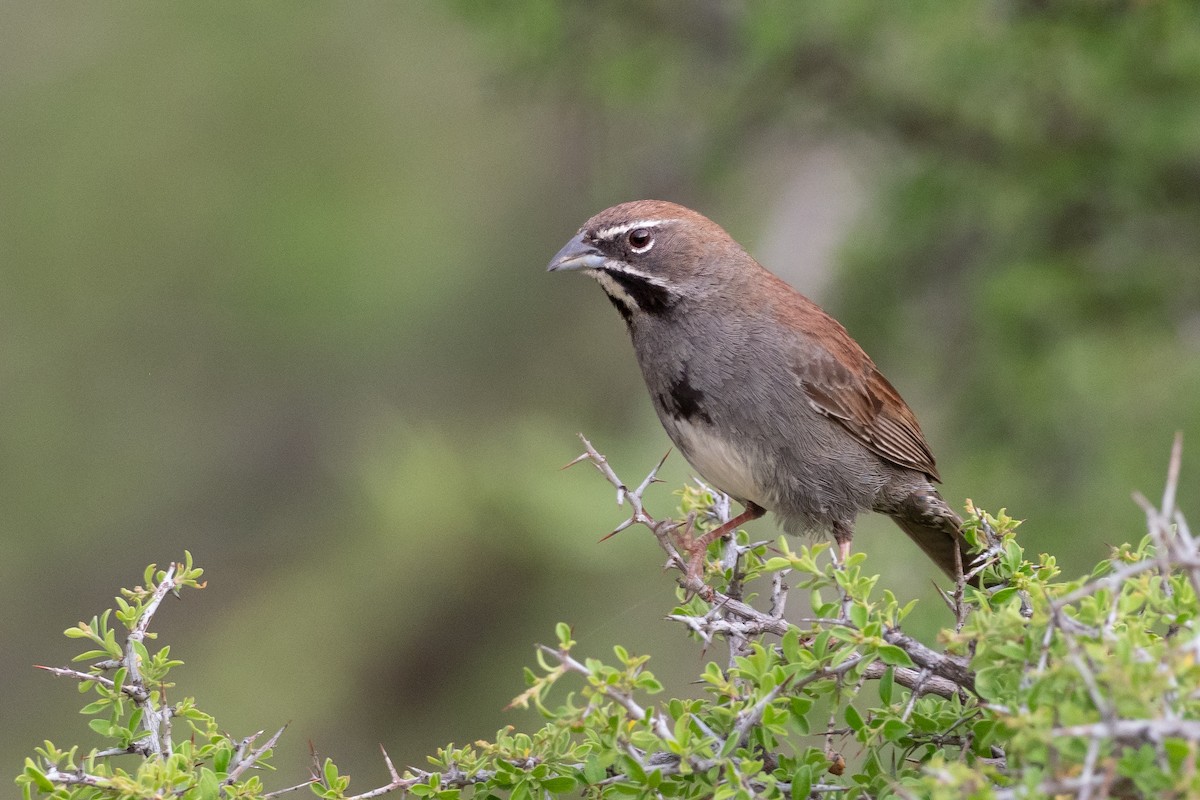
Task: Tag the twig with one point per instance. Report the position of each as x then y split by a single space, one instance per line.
155 720
137 693
279 792
243 761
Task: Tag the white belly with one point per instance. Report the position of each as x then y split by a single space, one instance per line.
720 463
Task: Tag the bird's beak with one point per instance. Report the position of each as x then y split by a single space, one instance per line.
576 254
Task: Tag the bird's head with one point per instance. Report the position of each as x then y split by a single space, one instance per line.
650 254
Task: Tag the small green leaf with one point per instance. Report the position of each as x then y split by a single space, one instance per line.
44 784
222 757
329 772
886 683
894 730
1001 596
101 726
593 770
96 707
892 655
802 782
208 787
858 615
559 785
521 792
853 718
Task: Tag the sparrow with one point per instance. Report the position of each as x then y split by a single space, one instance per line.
766 395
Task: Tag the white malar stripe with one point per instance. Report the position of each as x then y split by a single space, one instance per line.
617 230
614 289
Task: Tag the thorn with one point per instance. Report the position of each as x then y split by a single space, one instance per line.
574 461
652 477
1168 503
316 763
616 530
949 601
391 767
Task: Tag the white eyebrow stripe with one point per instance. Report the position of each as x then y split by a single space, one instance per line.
616 230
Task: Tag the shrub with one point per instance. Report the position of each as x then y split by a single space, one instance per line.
1042 687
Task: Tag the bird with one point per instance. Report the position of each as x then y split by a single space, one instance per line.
766 395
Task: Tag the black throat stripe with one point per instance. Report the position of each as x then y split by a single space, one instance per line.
650 298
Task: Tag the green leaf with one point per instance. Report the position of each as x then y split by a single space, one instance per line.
329 772
521 792
208 787
858 615
894 729
1001 596
802 780
853 718
559 785
101 726
44 784
96 707
222 757
892 655
886 684
982 733
649 684
593 770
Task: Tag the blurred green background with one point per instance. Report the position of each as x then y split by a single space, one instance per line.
272 289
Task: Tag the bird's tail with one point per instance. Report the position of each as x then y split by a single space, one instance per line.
937 530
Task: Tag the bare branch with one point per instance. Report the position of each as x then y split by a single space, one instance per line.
155 720
137 693
279 792
952 668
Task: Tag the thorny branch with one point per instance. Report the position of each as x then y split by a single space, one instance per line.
946 675
1175 552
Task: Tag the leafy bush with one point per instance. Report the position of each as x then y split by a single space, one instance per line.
1042 687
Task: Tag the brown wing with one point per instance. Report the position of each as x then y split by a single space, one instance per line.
852 391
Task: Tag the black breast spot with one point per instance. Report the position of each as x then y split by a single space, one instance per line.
686 401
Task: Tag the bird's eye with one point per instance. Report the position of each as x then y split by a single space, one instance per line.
640 239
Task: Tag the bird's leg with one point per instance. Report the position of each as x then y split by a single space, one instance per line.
843 534
696 547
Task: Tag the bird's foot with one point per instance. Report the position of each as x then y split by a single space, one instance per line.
693 549
696 548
